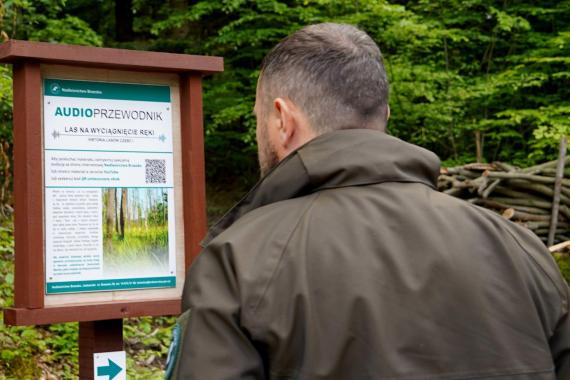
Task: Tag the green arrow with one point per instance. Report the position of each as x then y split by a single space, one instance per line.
110 370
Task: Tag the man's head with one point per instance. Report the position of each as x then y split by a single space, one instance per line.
321 78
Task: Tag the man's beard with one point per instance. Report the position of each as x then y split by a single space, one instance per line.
266 154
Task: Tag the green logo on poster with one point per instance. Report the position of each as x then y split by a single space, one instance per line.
55 88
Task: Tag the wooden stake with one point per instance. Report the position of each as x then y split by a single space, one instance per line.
557 186
94 337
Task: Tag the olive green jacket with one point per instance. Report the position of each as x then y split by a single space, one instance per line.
346 263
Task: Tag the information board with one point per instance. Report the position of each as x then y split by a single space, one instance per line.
109 188
109 193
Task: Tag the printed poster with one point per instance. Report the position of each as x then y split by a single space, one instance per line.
109 195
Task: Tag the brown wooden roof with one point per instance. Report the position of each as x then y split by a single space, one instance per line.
14 51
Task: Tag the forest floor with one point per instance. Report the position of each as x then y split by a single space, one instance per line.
50 352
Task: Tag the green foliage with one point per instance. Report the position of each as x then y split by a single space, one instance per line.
158 213
148 341
69 29
38 20
564 264
143 247
44 20
493 73
5 103
27 352
464 74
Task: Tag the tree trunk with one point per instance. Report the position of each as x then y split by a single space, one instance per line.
124 20
478 146
122 213
116 211
110 213
127 213
181 6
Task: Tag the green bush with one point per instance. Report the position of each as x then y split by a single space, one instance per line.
564 264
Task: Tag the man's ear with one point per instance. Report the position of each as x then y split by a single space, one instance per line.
288 122
387 112
289 127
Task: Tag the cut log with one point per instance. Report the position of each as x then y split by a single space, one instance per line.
542 224
552 172
543 231
517 194
559 246
513 214
547 165
564 210
463 172
480 166
538 188
505 167
523 202
485 193
502 206
455 192
525 196
528 177
502 166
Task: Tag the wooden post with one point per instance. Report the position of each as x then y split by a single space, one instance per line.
557 188
97 336
28 187
193 171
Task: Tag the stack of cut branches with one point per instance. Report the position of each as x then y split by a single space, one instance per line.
525 196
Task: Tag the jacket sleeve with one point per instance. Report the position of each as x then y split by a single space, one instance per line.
214 344
560 343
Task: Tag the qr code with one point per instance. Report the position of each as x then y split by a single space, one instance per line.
155 171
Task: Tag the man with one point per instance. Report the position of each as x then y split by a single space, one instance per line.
344 262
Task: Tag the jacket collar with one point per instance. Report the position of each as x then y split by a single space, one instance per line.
348 157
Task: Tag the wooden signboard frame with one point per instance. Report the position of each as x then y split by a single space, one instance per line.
34 61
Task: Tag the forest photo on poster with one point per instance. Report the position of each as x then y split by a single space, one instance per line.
135 231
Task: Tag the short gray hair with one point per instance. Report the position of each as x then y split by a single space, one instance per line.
333 72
